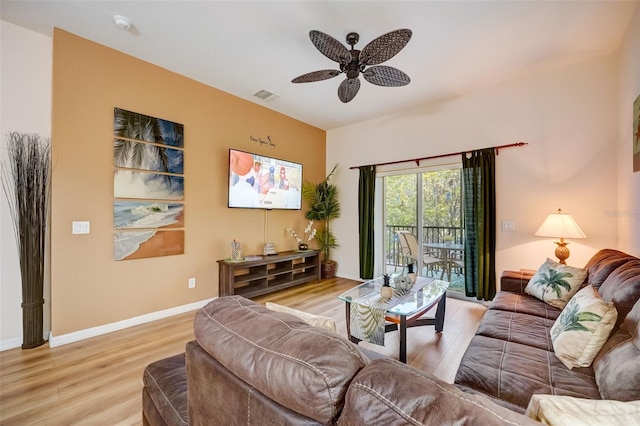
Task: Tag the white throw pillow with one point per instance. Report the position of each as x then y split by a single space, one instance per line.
569 411
315 320
554 283
582 328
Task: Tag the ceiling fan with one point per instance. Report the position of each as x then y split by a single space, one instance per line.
353 62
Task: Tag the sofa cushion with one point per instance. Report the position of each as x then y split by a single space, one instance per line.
510 373
565 410
603 263
525 329
524 304
555 283
315 320
165 386
387 392
617 366
622 287
582 328
241 334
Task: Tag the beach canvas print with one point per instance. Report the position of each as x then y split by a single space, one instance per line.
142 214
148 186
148 159
147 243
636 135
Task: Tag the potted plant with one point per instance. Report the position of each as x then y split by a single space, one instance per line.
322 199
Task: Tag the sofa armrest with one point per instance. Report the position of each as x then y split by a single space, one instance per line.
515 281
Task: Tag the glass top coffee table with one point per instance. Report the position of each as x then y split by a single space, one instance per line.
404 312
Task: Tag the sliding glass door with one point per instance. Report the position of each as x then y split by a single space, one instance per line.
427 204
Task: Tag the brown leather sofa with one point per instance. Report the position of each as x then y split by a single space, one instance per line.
511 356
252 366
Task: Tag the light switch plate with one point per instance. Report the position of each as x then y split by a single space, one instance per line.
81 227
508 225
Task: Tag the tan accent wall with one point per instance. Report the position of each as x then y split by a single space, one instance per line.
88 287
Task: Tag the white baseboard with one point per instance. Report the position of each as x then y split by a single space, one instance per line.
16 342
12 343
120 325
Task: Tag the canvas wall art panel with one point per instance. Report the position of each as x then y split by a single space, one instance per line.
148 186
147 243
150 215
636 135
132 125
147 156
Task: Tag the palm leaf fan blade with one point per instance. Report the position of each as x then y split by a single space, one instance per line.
316 76
348 89
385 76
385 47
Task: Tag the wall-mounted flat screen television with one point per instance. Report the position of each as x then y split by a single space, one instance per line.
260 182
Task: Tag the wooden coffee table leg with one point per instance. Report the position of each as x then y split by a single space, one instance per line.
403 339
440 310
347 311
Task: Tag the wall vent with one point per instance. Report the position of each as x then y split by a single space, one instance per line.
265 95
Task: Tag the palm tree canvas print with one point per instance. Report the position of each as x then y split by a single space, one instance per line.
148 159
147 156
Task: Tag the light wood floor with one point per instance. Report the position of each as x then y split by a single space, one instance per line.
98 381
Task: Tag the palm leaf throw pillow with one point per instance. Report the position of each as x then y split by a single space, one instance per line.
554 283
582 328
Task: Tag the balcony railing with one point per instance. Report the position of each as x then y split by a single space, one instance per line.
431 234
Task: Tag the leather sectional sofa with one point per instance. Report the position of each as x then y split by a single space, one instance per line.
250 365
511 356
253 366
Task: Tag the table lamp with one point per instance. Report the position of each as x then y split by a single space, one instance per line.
560 225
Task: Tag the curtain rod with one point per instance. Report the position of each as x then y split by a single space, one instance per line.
418 160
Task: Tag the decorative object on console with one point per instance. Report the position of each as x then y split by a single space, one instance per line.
237 253
309 234
553 278
582 328
324 206
269 249
560 225
353 62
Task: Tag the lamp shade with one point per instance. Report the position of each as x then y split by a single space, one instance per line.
560 225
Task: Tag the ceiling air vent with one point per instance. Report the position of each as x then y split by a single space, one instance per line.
265 95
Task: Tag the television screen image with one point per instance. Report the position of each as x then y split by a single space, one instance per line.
261 182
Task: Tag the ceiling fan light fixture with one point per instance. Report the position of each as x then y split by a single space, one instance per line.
355 62
265 95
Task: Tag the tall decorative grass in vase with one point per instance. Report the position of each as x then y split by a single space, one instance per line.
25 180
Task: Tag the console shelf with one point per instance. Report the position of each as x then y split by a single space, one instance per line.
271 273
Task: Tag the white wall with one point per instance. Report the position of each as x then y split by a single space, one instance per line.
628 182
569 118
25 106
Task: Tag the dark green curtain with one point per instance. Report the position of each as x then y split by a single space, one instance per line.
366 196
478 176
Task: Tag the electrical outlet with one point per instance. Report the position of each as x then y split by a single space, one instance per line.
192 283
